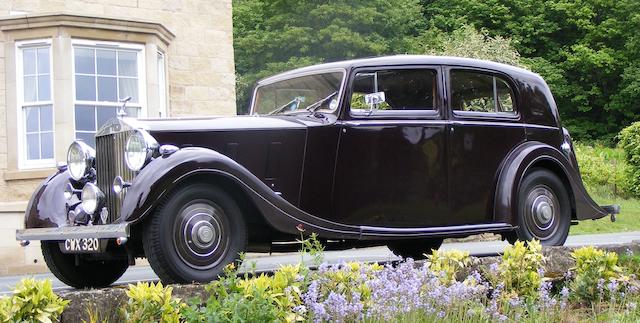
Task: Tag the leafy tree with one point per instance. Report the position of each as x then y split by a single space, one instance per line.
587 50
275 35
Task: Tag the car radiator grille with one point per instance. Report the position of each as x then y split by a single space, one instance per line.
110 163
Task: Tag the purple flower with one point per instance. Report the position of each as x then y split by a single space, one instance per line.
612 286
564 297
546 300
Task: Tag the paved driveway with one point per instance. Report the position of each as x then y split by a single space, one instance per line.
378 254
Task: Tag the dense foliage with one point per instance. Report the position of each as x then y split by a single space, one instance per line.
601 287
630 142
604 171
149 302
32 301
587 50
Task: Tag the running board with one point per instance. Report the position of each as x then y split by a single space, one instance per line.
367 232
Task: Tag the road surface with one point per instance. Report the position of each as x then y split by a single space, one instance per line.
265 262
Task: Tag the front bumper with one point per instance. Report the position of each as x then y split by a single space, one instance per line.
106 231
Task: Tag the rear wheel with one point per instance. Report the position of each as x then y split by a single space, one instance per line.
415 249
544 210
86 273
194 235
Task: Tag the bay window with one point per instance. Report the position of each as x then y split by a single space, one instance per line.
104 75
35 104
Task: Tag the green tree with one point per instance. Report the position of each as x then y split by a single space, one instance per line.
587 50
271 36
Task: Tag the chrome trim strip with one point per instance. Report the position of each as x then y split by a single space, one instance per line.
61 233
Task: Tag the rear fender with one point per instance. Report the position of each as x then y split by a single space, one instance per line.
533 154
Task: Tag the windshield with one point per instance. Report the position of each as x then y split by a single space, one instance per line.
312 92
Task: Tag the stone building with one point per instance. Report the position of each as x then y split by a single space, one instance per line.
66 64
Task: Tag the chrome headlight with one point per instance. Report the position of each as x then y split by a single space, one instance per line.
139 150
80 158
92 197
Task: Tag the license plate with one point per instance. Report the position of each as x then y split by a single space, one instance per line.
83 245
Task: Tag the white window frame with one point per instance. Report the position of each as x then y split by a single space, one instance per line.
162 84
23 161
142 89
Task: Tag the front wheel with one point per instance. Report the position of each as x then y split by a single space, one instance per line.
415 249
544 210
83 273
194 235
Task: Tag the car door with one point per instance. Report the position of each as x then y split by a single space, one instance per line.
391 166
485 127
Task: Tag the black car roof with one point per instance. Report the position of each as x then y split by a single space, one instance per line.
401 60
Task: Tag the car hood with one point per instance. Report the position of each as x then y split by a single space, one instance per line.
218 123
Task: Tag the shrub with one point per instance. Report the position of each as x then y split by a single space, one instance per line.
448 264
260 299
603 169
31 301
630 142
594 269
521 270
149 302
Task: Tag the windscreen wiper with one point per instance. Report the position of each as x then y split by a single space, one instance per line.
316 105
295 100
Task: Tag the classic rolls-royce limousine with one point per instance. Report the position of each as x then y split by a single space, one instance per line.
401 151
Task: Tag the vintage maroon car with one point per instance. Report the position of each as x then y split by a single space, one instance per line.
400 151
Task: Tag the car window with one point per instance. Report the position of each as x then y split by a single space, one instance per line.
480 92
393 90
299 93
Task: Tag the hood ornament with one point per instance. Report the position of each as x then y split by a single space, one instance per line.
122 112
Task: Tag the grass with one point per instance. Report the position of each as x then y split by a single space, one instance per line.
627 220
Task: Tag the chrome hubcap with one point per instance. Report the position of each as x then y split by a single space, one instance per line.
542 210
200 235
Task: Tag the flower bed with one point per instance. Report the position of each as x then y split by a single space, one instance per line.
451 286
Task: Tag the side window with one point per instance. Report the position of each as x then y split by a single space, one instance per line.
393 90
479 92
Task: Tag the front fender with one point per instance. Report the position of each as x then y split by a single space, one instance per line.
159 177
515 167
47 206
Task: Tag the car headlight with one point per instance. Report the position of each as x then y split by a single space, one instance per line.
80 158
92 197
139 150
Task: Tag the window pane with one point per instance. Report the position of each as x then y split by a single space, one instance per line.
127 63
104 114
107 89
29 61
505 99
44 88
133 112
106 61
46 144
85 88
31 117
472 91
46 118
85 118
30 92
43 60
87 137
84 61
129 87
33 146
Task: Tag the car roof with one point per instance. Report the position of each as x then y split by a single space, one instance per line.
400 60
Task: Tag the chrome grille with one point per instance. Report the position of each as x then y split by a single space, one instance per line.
109 164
